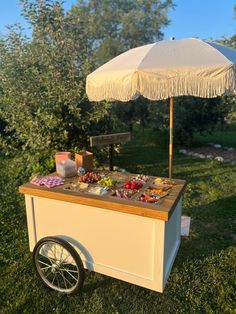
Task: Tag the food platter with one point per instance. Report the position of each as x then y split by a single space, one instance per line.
123 186
117 197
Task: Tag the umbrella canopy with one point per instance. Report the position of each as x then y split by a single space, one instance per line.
166 69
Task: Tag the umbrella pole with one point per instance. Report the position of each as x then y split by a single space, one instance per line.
171 138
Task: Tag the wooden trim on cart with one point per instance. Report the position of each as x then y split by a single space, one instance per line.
162 211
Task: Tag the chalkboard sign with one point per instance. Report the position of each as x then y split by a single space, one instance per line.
108 139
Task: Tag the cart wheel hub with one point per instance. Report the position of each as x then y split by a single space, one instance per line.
55 267
53 270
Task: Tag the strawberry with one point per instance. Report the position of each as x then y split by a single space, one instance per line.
133 185
139 185
127 185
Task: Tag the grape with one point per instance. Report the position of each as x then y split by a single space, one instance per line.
107 182
90 177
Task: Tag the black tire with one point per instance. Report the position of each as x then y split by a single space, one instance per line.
62 271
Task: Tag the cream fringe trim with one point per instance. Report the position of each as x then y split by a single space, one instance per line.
153 88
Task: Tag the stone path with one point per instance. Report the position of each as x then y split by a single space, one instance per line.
212 151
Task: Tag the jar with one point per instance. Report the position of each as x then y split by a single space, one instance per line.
66 169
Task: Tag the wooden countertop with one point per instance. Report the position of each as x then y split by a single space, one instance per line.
163 211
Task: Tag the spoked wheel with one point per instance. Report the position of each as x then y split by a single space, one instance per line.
58 265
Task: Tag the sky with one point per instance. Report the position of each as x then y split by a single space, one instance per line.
206 19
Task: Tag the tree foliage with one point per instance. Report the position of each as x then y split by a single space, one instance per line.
191 114
43 104
118 25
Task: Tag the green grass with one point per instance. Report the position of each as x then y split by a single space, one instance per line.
203 278
225 136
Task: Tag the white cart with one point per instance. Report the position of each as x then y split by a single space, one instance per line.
129 240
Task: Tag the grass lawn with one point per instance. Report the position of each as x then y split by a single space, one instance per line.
203 278
225 136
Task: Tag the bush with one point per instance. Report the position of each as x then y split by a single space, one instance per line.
191 114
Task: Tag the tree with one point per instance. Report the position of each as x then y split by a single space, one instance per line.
191 114
230 42
43 103
43 100
229 101
118 25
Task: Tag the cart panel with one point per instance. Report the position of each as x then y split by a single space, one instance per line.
106 238
172 239
124 246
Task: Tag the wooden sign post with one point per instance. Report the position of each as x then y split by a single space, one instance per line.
110 139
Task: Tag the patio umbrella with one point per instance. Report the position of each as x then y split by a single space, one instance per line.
166 69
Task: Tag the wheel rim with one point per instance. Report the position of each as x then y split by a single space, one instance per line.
57 267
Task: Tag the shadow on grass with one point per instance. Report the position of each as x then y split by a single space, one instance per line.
96 281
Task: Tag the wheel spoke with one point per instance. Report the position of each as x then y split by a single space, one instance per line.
64 279
58 284
65 259
71 284
52 252
46 267
61 253
55 250
72 271
63 269
47 274
44 263
51 260
53 278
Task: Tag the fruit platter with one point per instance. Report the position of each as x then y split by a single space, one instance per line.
92 183
127 187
